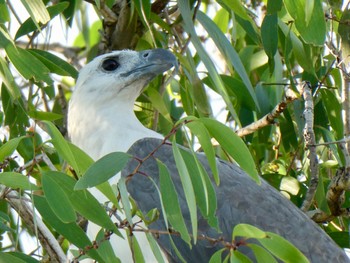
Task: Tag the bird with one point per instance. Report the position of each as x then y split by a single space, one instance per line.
101 120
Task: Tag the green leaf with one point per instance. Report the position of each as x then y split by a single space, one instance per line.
311 25
230 54
28 65
334 110
238 257
15 114
170 203
71 231
37 11
199 130
237 7
44 115
344 32
137 253
216 257
57 199
304 59
107 190
341 238
309 8
83 201
221 19
274 6
4 12
7 257
62 146
189 27
247 231
261 254
5 38
17 180
232 144
105 248
290 185
203 188
103 169
82 160
155 248
93 37
54 64
282 249
26 258
269 35
187 187
158 103
9 147
9 81
125 199
29 25
143 8
193 89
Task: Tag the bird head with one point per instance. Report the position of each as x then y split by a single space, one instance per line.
122 74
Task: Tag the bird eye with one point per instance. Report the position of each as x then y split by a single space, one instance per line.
110 64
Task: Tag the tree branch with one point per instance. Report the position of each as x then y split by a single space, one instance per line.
269 118
309 137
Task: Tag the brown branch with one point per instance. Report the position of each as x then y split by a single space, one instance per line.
336 191
310 141
346 112
269 118
335 198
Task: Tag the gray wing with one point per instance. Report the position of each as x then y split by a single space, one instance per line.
239 200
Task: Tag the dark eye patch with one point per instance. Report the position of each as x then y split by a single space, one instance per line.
110 64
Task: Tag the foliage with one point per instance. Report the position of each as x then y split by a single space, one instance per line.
254 55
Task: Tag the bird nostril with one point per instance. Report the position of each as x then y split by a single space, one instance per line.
145 55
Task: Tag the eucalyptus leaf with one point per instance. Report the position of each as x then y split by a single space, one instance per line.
102 170
248 231
9 147
261 254
58 199
170 202
74 233
309 19
83 202
282 249
187 187
232 144
30 25
7 257
17 180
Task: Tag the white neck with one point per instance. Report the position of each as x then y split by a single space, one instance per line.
101 129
